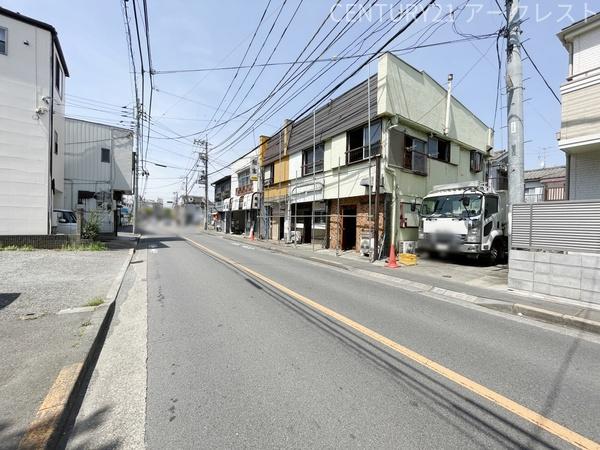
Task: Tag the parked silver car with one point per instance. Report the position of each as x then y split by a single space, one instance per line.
66 221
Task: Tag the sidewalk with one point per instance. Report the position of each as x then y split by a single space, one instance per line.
54 305
482 286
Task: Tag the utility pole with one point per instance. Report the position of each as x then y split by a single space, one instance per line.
375 257
203 179
186 190
136 168
135 189
514 89
205 185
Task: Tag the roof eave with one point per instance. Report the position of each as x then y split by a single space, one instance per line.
38 23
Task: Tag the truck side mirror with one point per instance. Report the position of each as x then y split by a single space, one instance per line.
413 206
466 201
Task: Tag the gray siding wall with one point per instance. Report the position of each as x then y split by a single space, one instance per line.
584 181
339 115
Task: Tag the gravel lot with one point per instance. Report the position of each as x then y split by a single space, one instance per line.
46 281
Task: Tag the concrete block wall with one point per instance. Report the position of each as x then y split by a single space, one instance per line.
45 241
573 276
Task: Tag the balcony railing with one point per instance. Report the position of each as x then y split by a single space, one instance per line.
359 154
307 169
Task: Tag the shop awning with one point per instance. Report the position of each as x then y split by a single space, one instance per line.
247 204
235 203
251 201
227 204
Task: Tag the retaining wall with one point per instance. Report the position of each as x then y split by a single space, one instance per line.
567 275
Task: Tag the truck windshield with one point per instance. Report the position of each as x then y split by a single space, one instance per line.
452 206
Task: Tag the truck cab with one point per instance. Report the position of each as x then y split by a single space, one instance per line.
464 218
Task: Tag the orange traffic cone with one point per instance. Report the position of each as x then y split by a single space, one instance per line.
252 233
392 259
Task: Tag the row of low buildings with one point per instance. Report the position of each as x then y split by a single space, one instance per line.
49 162
361 164
379 148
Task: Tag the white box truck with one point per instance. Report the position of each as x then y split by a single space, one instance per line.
465 218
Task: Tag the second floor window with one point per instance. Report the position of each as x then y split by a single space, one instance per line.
105 155
438 149
244 178
222 191
3 37
414 157
358 142
476 161
268 175
307 160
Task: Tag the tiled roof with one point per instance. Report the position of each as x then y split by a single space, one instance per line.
548 172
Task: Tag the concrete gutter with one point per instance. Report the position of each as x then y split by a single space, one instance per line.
514 308
55 410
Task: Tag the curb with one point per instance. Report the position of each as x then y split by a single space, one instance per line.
563 319
54 413
516 309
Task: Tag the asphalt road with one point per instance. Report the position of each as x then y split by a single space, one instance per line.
234 363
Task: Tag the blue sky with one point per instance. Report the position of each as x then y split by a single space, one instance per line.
204 34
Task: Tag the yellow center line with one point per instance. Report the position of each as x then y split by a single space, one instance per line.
537 419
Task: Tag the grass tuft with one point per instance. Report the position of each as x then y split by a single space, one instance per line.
91 247
15 248
96 301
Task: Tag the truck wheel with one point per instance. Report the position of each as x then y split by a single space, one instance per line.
497 253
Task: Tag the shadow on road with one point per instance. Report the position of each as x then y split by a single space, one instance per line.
440 397
7 298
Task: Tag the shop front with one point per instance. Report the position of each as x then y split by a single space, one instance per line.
238 216
354 222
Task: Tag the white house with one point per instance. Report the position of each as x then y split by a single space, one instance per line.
579 137
243 205
98 169
32 124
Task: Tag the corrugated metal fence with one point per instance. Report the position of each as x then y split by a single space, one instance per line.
557 226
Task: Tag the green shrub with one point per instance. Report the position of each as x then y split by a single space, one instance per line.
90 228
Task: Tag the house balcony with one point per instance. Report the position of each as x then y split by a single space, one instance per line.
580 122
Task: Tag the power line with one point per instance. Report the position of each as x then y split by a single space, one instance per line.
150 70
541 75
324 70
297 76
535 66
320 60
361 66
262 18
284 32
262 46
